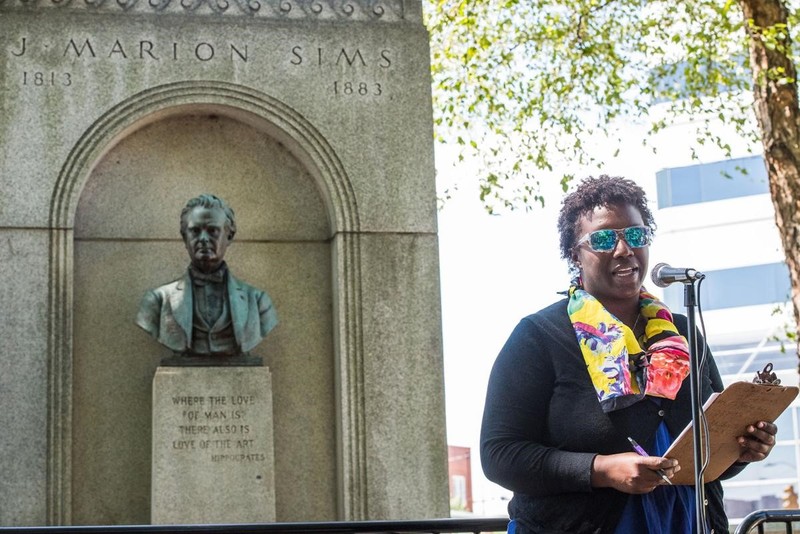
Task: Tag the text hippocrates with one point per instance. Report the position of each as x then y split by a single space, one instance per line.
220 425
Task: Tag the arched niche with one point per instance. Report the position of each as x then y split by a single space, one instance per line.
115 233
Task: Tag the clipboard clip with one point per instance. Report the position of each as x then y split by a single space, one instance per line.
767 376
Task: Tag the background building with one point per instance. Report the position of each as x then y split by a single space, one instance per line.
460 475
718 217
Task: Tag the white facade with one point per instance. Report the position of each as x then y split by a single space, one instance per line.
734 241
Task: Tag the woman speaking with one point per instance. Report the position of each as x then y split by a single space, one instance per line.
579 378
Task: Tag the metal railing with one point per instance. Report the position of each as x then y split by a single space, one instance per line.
759 518
430 526
756 520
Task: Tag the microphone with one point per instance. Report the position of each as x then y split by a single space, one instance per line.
664 275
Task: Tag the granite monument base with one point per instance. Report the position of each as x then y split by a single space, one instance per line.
213 459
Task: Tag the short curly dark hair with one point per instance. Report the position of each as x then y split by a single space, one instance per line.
592 193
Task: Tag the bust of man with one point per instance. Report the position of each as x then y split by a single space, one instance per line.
207 316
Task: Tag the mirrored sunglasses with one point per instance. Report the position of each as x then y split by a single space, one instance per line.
605 240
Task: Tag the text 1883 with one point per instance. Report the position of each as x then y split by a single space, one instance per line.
357 89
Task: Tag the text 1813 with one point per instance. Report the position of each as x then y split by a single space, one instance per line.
46 79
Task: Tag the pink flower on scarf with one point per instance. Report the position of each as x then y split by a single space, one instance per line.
669 365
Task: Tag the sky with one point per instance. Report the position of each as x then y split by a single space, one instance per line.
495 270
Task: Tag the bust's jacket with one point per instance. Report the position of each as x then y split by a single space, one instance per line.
166 313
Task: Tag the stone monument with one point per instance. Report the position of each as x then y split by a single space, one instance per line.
213 458
314 118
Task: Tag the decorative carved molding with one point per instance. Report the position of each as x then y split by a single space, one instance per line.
59 387
361 10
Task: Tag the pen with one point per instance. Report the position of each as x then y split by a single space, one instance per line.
641 452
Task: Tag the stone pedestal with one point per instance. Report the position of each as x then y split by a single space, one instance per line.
213 459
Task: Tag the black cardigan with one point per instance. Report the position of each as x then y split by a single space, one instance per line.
543 426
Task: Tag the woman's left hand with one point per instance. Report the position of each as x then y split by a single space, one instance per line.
758 442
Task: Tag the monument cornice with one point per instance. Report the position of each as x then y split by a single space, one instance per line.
329 10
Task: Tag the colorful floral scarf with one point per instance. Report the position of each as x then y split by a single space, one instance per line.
621 370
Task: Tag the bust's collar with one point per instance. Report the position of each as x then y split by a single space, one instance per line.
200 278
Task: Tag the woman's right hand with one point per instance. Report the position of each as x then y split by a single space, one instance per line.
630 473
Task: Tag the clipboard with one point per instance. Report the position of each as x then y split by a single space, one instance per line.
728 414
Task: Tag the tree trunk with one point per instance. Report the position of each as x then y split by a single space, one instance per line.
777 114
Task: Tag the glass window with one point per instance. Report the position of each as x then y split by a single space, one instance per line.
458 498
785 360
683 186
731 347
729 364
741 286
719 180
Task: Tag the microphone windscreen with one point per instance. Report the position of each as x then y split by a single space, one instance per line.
655 275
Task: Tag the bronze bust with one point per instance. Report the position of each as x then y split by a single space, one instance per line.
207 316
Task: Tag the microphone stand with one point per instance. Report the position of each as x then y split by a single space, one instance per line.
690 301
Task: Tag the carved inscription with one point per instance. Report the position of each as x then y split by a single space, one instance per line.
143 49
342 57
46 79
218 427
22 49
149 50
212 442
76 51
349 72
349 60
